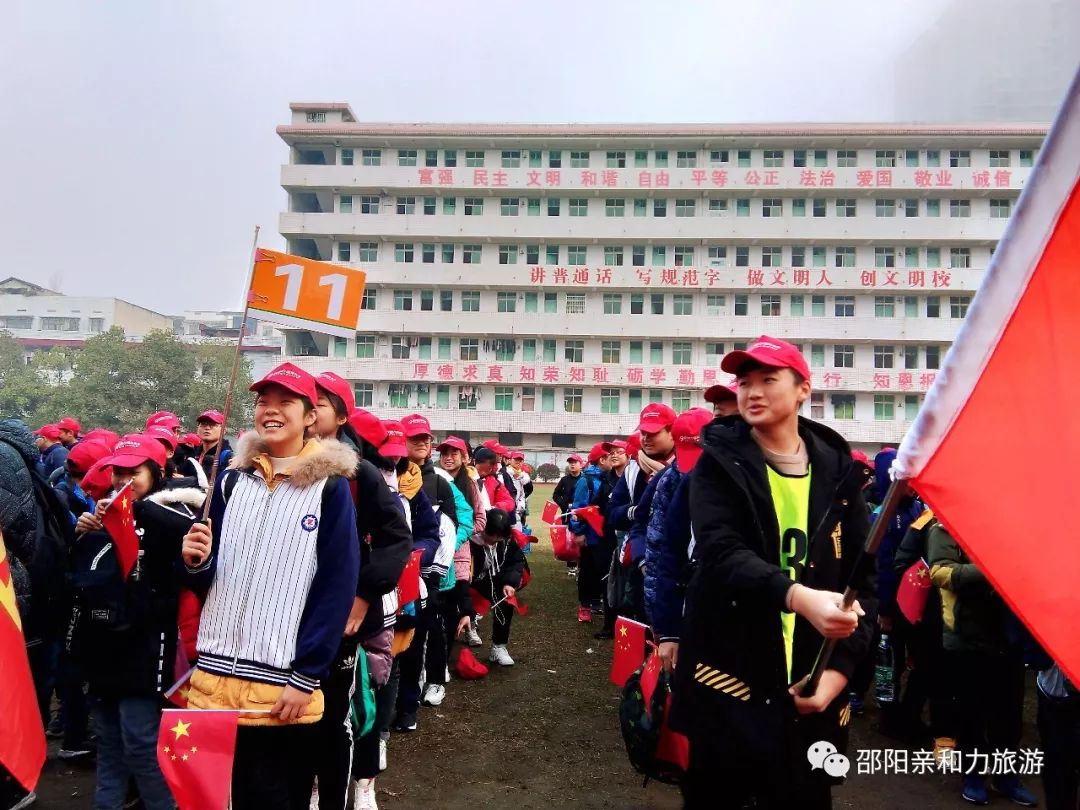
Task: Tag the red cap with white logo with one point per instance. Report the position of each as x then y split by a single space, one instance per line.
292 378
394 445
135 449
454 443
768 351
339 387
687 435
415 425
655 418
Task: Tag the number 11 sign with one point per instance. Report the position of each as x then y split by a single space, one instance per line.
306 294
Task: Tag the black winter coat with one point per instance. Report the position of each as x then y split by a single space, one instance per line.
18 513
732 626
564 492
438 491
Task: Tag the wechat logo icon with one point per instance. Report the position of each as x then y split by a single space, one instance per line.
823 755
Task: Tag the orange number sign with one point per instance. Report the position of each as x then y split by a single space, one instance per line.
304 293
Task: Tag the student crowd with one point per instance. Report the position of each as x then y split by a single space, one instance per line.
730 532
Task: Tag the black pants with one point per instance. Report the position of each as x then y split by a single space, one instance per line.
591 570
502 615
1059 737
990 699
334 731
274 767
707 785
928 678
411 660
442 624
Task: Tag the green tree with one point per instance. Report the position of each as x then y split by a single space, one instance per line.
213 364
23 393
547 472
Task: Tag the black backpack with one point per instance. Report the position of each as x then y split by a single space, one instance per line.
642 724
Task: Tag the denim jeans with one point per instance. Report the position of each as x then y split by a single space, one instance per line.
127 733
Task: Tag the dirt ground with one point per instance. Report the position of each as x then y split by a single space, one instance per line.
544 734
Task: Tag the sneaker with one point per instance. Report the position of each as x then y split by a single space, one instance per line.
1010 787
382 754
584 614
857 704
500 656
364 795
76 752
405 722
472 638
434 694
975 790
943 750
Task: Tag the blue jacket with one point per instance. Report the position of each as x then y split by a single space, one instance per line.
53 459
888 578
620 509
588 487
639 523
667 553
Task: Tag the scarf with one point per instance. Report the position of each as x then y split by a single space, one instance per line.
651 466
410 481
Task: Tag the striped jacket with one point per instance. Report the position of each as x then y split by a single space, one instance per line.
282 575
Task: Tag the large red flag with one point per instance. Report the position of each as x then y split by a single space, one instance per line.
913 591
195 752
629 650
592 516
119 522
408 586
990 449
22 737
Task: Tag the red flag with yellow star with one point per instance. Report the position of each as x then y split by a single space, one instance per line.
22 737
913 591
629 650
119 522
195 752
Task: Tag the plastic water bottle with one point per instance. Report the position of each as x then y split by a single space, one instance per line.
883 673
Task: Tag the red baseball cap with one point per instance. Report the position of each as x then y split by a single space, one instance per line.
493 444
166 418
616 443
368 426
291 377
85 454
70 423
687 435
101 435
416 425
191 440
597 452
394 444
718 393
633 445
454 443
576 458
50 432
98 479
768 351
858 456
135 449
517 454
656 417
339 387
217 417
163 434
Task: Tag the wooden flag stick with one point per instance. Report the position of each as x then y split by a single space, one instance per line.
867 556
232 379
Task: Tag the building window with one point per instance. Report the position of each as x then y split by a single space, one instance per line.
365 347
613 256
884 257
470 301
547 400
345 204
371 157
574 351
637 303
511 158
636 353
817 306
797 306
884 407
911 406
575 304
508 206
798 207
610 351
845 158
406 205
682 304
575 255
770 305
958 306
427 302
960 258
370 298
910 207
884 306
933 208
845 207
660 159
720 156
474 206
656 352
933 357
817 355
446 300
817 405
431 157
429 206
555 159
713 352
449 206
579 207
579 160
406 157
960 208
403 253
772 207
616 160
344 251
399 395
845 256
612 304
911 158
680 353
471 254
1000 209
717 255
999 158
742 304
959 158
469 348
773 158
612 208
844 355
933 306
743 158
399 348
656 304
504 397
96 325
843 406
369 205
885 208
551 303
772 256
364 393
1027 158
403 300
448 253
474 159
346 157
659 207
609 400
508 254
683 255
641 207
885 158
884 356
684 208
572 400
659 255
718 207
742 208
554 206
685 160
444 348
844 306
506 302
820 208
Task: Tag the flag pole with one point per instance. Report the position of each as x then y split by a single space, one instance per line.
214 469
867 556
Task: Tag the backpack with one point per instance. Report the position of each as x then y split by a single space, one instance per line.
54 534
643 723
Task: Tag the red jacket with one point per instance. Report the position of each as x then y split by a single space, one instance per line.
498 495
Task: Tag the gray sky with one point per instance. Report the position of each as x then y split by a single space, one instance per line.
138 136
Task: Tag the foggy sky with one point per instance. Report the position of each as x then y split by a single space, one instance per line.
138 136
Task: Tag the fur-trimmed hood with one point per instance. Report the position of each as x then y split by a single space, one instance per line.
319 459
192 497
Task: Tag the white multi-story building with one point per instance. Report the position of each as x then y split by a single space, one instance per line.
545 282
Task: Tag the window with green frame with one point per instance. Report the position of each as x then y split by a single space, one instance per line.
504 398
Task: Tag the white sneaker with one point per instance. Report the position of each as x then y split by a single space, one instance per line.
382 755
472 638
434 694
500 656
364 795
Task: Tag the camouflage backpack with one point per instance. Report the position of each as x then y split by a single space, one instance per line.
642 723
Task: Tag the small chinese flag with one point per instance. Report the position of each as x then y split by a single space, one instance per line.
913 591
195 752
629 650
564 549
592 516
408 586
177 694
520 607
480 603
119 522
551 513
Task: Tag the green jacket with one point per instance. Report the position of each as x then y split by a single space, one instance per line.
974 616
